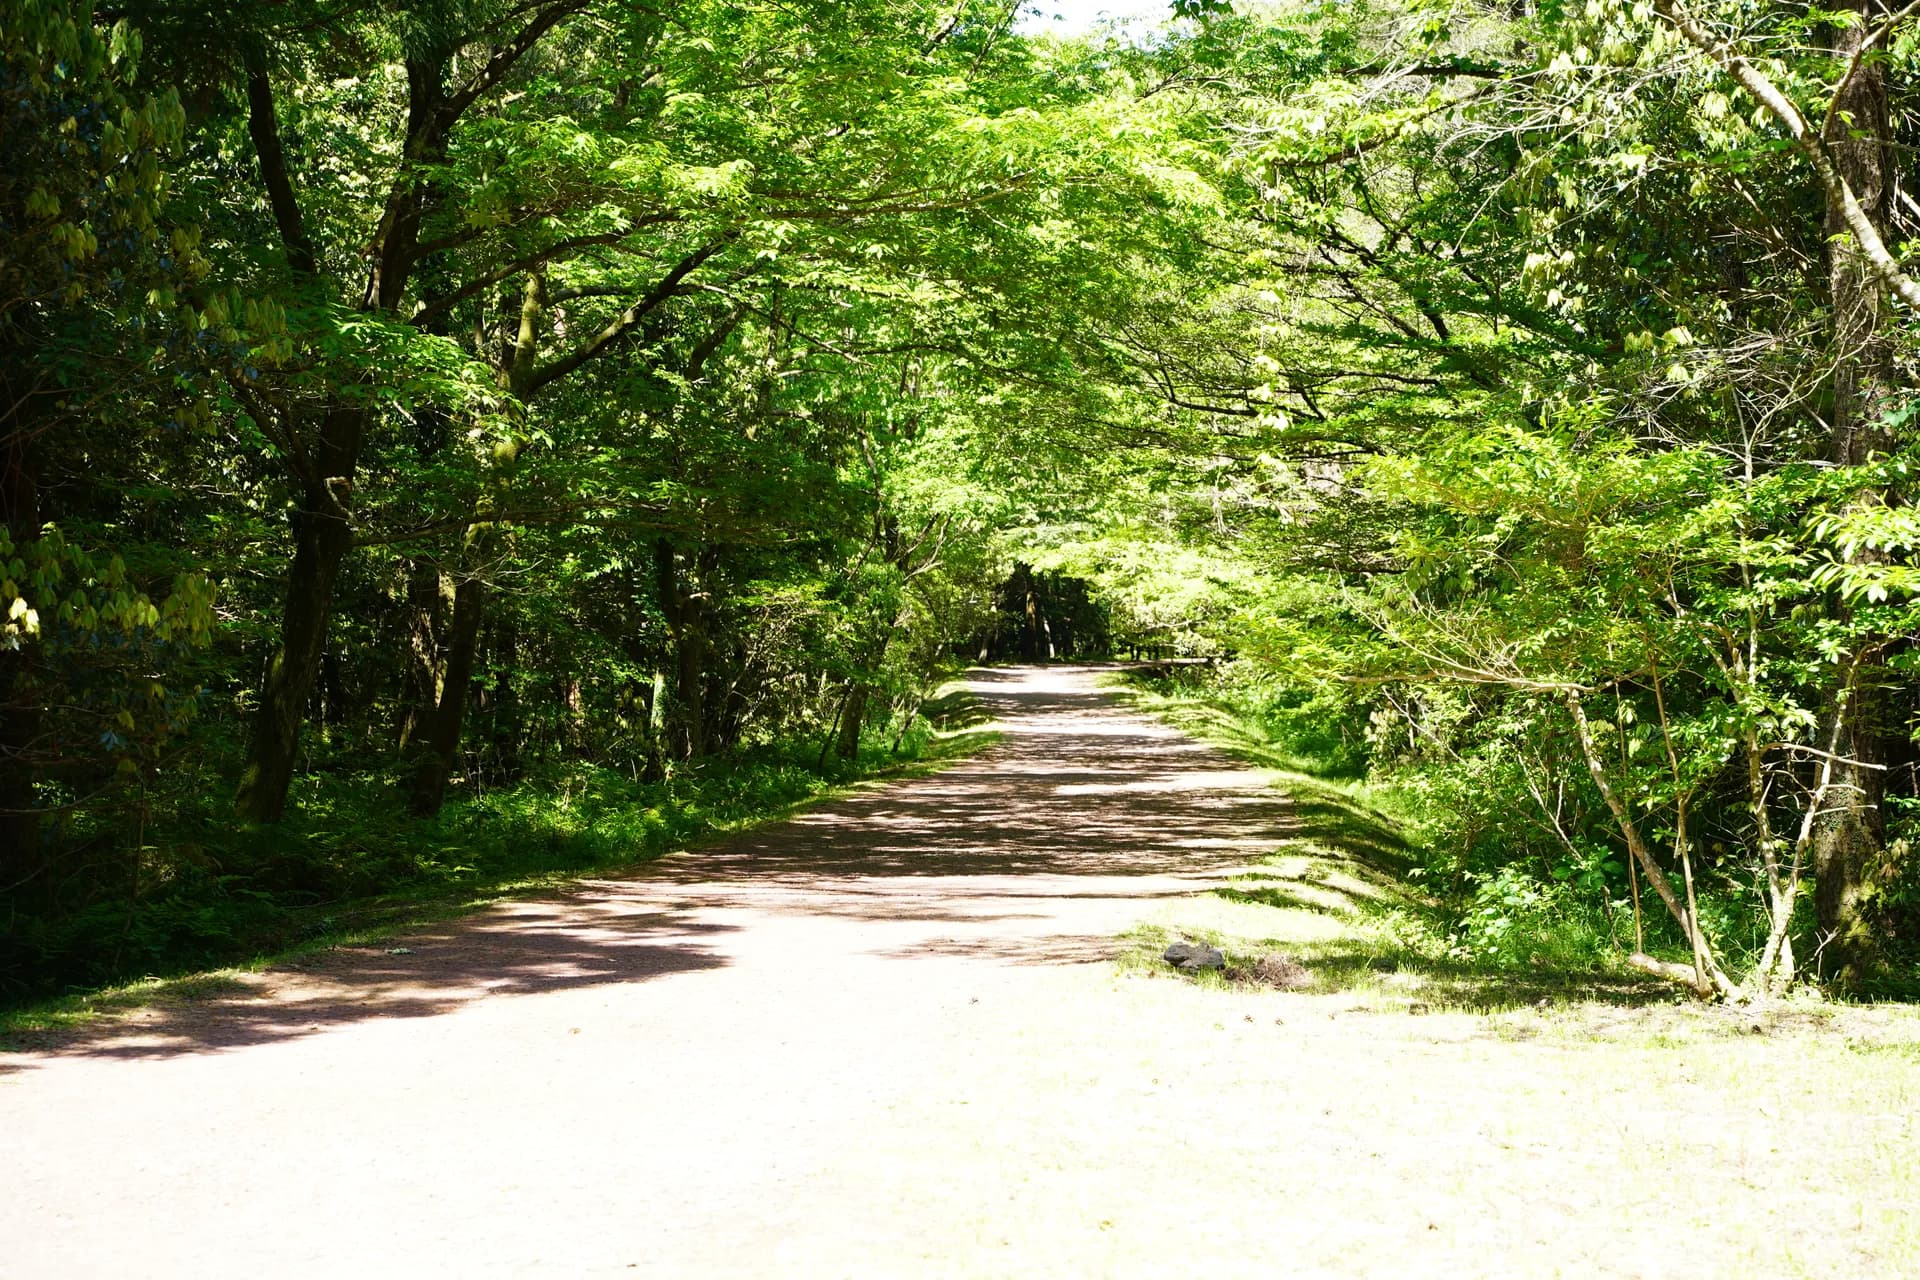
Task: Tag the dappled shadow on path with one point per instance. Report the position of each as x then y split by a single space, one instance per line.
1077 821
1074 788
1035 853
579 939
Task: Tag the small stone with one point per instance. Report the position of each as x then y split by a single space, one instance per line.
1190 957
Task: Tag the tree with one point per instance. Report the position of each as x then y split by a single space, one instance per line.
103 317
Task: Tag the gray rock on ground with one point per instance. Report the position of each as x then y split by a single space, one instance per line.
1192 956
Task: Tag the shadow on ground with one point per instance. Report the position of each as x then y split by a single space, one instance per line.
1071 789
956 710
1459 984
1384 948
579 939
1075 806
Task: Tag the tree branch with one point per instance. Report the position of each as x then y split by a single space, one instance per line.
1840 196
263 127
625 322
447 302
504 59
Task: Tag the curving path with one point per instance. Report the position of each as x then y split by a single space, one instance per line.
657 1074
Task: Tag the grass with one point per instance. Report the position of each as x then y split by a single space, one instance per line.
1791 1127
195 941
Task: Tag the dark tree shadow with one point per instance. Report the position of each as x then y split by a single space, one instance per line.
1070 789
594 936
1459 984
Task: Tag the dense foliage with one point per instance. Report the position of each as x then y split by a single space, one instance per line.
484 399
1554 396
474 405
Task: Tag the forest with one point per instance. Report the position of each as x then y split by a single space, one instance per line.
456 440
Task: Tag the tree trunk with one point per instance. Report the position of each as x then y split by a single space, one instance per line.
1849 840
689 686
1852 832
658 699
853 718
727 699
322 530
19 807
855 710
685 613
323 535
572 729
333 694
508 726
441 739
428 598
1706 977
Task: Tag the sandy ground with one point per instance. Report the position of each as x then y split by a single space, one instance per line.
882 1040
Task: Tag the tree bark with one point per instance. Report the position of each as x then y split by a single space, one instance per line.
659 702
428 598
508 727
690 702
853 718
1852 832
323 535
685 613
1844 204
441 740
323 528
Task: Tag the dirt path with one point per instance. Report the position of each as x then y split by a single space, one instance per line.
874 1041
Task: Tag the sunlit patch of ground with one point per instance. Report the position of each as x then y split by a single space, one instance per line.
1443 1118
1323 1135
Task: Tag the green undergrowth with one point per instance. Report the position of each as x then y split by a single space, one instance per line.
1344 892
354 866
1360 933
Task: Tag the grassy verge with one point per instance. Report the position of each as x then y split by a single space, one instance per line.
1338 899
360 870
